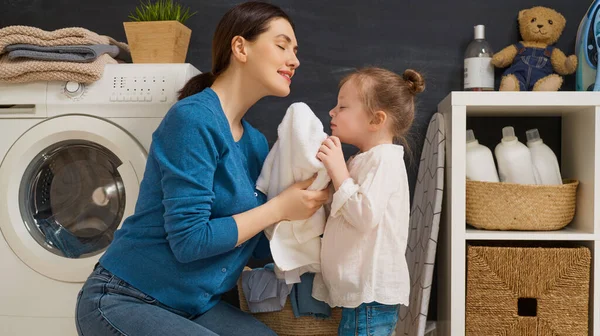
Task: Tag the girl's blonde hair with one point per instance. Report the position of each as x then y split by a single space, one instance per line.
384 90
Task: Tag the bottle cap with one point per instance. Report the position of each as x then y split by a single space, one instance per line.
480 32
508 134
533 135
470 136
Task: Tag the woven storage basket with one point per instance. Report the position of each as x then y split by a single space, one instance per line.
553 281
284 323
508 206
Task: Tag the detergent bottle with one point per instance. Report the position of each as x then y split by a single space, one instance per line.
543 158
514 160
480 161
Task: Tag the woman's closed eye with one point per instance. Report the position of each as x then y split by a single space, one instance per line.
280 47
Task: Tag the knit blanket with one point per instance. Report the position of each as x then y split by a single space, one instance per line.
23 71
60 37
28 70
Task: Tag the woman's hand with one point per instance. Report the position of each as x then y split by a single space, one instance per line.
332 156
296 203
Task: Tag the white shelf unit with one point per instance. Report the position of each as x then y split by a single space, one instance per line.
580 124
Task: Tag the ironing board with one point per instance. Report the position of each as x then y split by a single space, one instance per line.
424 226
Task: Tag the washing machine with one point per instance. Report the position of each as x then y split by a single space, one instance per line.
71 160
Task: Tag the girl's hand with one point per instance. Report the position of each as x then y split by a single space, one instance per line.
332 157
296 203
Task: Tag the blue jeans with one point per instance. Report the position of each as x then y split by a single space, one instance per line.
369 319
530 65
107 305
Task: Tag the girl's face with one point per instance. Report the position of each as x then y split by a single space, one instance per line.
349 118
272 58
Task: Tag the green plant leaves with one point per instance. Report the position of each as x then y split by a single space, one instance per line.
161 10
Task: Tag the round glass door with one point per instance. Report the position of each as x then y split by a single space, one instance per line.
72 198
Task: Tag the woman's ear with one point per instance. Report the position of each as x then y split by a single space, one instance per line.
239 48
378 120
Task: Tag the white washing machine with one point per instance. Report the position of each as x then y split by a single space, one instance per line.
71 160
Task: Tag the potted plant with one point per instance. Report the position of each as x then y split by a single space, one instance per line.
156 33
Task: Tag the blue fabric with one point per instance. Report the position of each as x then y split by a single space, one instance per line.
530 65
369 319
68 243
263 249
107 305
263 291
179 245
303 304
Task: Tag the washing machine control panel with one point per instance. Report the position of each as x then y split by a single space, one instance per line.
140 89
125 84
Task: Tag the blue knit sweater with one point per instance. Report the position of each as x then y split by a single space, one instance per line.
179 246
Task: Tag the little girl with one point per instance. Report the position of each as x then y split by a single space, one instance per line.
362 258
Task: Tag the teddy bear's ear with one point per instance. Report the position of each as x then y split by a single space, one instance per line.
562 18
521 13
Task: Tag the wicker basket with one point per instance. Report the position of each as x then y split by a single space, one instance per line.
284 323
508 206
527 291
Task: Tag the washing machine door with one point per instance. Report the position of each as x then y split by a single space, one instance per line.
67 185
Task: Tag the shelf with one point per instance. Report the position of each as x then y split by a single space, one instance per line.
566 99
564 234
579 114
522 103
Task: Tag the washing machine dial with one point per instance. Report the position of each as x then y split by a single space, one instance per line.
73 89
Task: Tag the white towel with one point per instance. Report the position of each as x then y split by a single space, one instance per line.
295 245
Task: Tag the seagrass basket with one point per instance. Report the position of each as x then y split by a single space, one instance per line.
509 206
527 290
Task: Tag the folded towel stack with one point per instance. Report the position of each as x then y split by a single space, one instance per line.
30 54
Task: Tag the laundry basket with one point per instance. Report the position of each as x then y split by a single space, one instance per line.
284 323
527 290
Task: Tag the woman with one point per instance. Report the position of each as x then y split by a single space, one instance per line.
199 218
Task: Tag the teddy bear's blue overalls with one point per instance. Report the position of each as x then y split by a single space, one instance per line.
530 65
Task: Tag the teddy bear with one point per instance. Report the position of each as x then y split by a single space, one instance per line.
534 60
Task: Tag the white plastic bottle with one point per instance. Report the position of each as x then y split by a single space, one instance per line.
480 162
514 160
544 159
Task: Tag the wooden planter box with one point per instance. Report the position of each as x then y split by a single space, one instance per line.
157 41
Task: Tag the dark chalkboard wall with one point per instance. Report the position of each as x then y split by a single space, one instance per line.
336 36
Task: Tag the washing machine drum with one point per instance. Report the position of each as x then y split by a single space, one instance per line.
72 198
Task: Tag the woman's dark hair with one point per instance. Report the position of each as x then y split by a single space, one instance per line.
248 20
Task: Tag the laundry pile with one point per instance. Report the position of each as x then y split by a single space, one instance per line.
30 54
265 293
